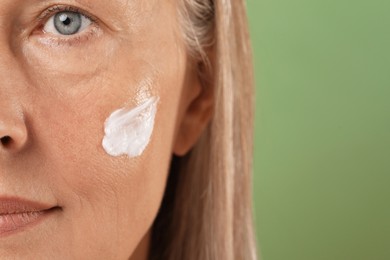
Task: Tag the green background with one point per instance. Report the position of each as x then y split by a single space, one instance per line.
322 138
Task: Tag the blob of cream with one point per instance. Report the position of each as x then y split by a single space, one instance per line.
128 131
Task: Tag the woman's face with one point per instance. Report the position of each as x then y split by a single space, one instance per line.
62 76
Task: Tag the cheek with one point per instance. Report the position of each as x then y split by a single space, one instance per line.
75 101
74 97
121 194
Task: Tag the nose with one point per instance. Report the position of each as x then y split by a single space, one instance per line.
13 88
13 131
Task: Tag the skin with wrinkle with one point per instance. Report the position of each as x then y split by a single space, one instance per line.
63 93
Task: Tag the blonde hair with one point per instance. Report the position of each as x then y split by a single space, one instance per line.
206 211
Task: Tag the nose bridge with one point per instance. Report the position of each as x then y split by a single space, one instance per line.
10 69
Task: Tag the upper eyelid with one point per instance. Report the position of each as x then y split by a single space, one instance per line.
62 8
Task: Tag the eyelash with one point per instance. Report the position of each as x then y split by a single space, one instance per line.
72 39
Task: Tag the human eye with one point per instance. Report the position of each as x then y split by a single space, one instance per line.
67 24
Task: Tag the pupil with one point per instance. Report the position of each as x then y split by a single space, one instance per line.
65 19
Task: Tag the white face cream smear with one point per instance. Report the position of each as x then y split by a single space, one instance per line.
128 131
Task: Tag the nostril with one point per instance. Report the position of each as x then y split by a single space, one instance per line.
6 140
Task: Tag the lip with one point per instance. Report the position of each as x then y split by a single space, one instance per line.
17 214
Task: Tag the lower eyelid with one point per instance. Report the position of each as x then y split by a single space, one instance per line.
77 39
